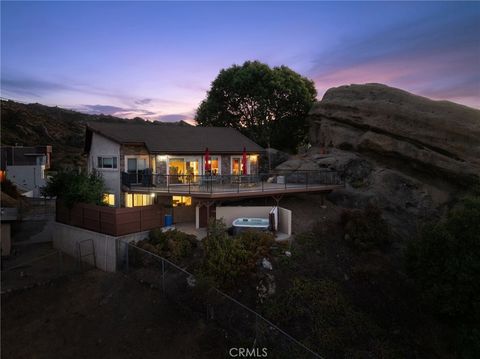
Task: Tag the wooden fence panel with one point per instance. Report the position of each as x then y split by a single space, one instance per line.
112 221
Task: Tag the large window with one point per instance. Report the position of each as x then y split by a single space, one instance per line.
183 170
138 199
107 162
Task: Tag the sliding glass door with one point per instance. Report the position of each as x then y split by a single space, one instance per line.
183 170
136 167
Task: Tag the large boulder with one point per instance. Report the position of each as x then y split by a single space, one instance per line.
407 154
439 137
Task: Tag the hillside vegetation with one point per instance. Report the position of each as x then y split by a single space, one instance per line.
36 124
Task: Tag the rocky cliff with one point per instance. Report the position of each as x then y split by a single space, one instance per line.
410 155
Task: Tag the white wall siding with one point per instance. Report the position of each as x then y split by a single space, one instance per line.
103 147
28 177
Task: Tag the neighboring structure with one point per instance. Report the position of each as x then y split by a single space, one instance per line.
25 167
191 169
7 216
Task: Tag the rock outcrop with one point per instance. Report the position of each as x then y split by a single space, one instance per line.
409 155
439 137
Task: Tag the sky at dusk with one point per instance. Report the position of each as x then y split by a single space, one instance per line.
157 59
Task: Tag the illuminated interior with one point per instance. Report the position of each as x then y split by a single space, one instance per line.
138 200
236 166
109 199
214 166
182 170
178 201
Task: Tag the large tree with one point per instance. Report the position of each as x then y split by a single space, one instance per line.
268 105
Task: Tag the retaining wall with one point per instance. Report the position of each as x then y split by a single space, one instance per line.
108 250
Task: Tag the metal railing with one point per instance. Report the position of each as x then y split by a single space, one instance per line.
242 325
263 182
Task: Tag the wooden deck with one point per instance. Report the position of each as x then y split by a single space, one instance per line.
250 190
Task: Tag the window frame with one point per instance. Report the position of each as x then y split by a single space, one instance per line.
100 164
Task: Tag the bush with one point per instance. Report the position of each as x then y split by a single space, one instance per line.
365 229
445 263
317 311
258 243
181 244
226 260
76 187
170 243
229 259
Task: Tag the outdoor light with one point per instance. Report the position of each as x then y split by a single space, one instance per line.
161 158
253 158
152 195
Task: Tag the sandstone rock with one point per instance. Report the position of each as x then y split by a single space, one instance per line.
437 136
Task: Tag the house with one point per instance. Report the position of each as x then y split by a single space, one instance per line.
188 168
154 172
26 166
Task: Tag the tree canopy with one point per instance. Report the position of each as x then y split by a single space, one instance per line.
73 187
269 105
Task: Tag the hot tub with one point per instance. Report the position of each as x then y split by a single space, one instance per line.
261 224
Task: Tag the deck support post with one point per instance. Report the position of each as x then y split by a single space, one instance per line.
277 199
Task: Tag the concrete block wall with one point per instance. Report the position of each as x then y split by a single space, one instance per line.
108 249
285 221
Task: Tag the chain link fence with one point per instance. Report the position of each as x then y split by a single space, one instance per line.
242 326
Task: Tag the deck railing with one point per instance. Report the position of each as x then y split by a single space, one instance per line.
230 183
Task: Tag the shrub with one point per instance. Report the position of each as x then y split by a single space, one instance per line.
180 244
226 260
365 229
229 259
258 243
174 242
445 263
157 238
320 313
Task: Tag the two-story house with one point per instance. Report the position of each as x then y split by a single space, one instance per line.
133 157
188 168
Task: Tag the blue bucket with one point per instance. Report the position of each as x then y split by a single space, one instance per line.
168 220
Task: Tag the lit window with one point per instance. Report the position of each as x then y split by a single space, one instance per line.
181 201
107 162
214 163
109 199
138 200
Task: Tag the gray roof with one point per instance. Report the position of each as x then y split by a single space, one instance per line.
170 138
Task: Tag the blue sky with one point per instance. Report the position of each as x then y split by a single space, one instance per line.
157 59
